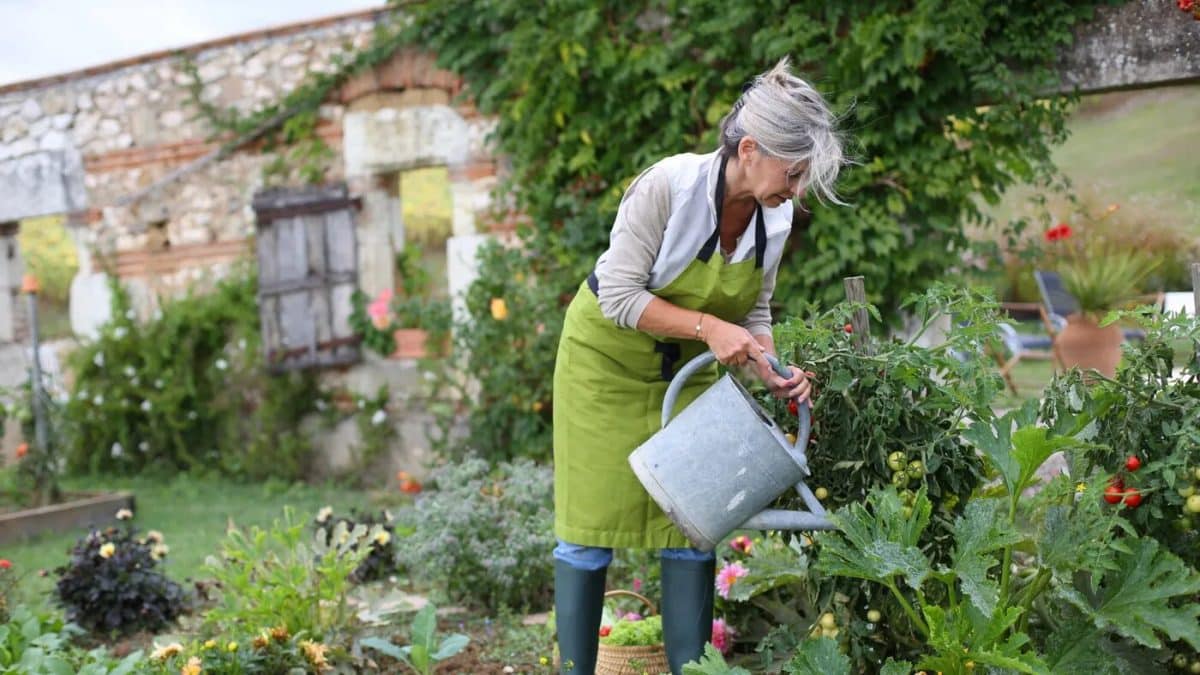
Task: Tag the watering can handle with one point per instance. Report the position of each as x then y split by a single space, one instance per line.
706 358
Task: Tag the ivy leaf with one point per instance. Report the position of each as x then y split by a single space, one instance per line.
878 543
818 657
1134 599
712 663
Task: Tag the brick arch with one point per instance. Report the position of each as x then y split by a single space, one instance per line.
406 69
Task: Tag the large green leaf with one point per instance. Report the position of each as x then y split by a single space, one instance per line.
818 657
1016 446
772 567
896 668
712 663
1079 536
452 645
966 636
981 530
1135 599
877 542
1078 647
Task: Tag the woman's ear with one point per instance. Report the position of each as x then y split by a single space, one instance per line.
746 148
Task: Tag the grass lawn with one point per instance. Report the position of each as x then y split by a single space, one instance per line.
192 513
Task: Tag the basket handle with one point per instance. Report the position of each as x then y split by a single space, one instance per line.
638 596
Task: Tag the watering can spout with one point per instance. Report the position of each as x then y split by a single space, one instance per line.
776 519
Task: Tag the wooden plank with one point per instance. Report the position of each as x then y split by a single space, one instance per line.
268 269
306 284
314 244
289 250
341 242
856 291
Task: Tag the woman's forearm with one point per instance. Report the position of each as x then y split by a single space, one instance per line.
667 320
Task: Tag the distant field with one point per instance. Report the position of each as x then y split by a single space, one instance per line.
1137 149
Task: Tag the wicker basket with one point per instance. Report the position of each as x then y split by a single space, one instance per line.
632 660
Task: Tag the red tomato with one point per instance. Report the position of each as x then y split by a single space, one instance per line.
1133 463
849 328
1113 494
793 407
1133 498
605 630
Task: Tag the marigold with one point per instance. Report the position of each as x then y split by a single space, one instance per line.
107 550
383 538
164 652
315 653
193 667
280 633
22 450
499 309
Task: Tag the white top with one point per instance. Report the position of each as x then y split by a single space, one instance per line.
664 219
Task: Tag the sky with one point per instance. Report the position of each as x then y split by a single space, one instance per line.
46 37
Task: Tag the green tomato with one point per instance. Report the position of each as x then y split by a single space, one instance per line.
1196 473
1180 661
900 479
896 460
907 497
874 616
916 469
1183 524
1193 504
1187 491
821 493
906 511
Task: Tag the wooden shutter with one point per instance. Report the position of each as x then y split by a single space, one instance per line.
307 271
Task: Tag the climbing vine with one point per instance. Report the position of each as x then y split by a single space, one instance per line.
944 105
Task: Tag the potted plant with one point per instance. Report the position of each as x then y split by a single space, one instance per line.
400 324
1100 277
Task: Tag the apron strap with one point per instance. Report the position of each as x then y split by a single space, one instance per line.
671 353
760 225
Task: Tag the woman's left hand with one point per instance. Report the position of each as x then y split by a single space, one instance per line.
798 386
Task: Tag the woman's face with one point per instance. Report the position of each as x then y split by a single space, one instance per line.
772 180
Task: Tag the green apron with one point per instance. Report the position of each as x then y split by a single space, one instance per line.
609 384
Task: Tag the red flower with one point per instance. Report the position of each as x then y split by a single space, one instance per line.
5 564
1185 5
605 630
1058 232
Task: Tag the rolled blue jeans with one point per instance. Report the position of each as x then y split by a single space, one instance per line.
592 558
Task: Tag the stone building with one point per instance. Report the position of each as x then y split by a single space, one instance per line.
122 152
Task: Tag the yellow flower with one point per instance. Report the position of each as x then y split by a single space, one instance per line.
280 633
164 652
154 536
499 309
107 550
1081 487
261 641
383 538
231 647
210 644
193 667
124 514
159 551
545 661
315 653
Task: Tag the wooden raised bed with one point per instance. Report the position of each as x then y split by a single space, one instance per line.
80 511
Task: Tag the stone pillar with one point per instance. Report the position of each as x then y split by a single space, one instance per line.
90 305
379 230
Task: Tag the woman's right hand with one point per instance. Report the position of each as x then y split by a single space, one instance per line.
732 344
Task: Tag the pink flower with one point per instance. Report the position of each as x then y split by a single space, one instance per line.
379 309
727 575
722 636
741 544
637 585
632 616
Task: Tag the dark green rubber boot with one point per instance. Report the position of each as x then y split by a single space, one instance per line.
578 603
687 609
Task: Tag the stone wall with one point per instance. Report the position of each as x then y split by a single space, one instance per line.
83 143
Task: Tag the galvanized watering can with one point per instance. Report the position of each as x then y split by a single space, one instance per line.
716 466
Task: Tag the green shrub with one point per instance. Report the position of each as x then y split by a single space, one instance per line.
40 644
485 535
187 390
111 584
287 577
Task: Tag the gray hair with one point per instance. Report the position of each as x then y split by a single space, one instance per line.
789 120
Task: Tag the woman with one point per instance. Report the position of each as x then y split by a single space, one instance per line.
690 267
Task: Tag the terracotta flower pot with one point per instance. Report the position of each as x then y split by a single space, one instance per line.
1084 344
413 343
